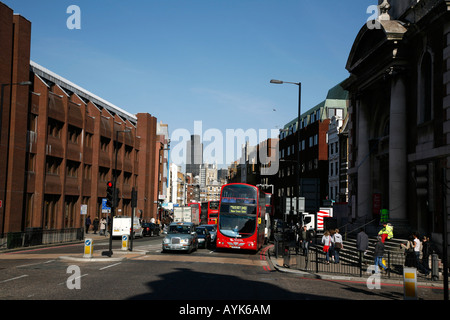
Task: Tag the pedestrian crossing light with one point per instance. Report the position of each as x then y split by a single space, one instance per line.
110 194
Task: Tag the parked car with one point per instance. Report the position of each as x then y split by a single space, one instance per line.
204 237
150 229
212 228
180 236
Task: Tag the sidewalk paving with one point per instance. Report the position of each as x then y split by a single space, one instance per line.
118 254
278 264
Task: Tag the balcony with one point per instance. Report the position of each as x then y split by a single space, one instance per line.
52 184
72 187
73 152
104 159
54 147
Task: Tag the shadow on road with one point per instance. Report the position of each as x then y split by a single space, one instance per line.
186 284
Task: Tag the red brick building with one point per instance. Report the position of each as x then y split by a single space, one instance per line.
59 143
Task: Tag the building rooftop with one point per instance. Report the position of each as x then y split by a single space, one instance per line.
48 75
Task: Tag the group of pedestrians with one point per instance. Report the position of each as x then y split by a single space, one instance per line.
103 223
417 253
332 245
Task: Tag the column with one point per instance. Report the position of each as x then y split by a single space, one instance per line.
397 149
364 197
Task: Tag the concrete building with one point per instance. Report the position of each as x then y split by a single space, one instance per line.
337 160
313 147
399 124
60 142
194 155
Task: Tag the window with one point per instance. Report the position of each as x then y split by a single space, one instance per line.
72 169
104 144
88 140
103 174
54 128
52 165
31 162
74 134
128 151
87 173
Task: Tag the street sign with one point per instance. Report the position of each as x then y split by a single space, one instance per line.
125 242
88 248
105 209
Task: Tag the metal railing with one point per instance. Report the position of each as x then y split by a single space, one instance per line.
38 236
315 260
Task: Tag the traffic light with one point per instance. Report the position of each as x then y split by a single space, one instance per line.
110 194
116 198
422 180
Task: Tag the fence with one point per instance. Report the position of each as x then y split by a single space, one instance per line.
38 236
315 260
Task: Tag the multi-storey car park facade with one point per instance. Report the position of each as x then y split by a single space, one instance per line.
59 144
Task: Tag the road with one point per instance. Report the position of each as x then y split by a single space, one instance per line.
147 274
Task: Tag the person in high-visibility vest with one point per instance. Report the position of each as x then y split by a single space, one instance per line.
387 232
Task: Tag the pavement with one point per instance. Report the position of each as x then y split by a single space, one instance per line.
97 255
278 264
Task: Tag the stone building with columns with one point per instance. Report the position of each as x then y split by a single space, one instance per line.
399 117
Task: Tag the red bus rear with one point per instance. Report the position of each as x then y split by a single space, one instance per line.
241 217
213 212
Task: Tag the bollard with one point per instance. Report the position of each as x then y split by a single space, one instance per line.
434 267
410 283
88 248
286 257
125 242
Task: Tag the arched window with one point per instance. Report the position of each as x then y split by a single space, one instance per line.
425 103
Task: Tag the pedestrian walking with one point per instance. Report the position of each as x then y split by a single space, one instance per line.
338 245
362 243
378 254
306 240
95 225
410 258
417 252
427 250
87 223
103 227
327 242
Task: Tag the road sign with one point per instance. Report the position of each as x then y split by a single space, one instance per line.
125 242
83 210
105 208
88 248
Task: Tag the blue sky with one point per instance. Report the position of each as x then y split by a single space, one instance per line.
199 60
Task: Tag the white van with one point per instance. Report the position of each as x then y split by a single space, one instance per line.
122 225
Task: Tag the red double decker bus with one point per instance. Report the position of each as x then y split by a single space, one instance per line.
213 212
241 217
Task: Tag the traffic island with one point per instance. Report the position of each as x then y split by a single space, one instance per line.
118 255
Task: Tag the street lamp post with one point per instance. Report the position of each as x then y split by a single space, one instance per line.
297 171
115 195
2 91
160 162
